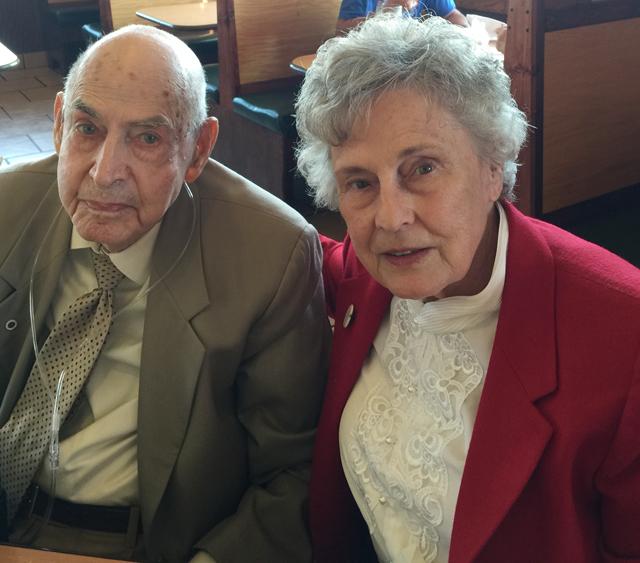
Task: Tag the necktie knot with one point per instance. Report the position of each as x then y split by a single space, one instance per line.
107 274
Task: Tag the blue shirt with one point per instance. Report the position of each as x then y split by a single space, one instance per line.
360 8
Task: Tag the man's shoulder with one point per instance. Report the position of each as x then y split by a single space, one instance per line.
44 168
226 193
22 188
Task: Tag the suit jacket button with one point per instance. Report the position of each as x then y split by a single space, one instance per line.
11 324
348 316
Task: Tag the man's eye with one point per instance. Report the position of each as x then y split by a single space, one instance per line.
149 138
86 128
424 169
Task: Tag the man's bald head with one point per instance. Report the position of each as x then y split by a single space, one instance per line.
137 53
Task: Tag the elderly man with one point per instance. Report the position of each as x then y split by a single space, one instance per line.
188 382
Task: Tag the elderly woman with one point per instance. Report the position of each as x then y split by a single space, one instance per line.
483 402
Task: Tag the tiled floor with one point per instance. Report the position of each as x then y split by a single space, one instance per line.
26 111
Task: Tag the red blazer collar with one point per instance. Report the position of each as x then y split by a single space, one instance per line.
510 434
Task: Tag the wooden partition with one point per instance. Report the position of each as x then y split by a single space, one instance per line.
591 114
575 70
259 38
115 14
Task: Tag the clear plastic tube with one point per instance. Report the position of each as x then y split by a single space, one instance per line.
54 439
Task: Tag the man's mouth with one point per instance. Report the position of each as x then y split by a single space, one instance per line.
104 207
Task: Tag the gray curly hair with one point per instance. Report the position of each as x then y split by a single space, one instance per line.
433 57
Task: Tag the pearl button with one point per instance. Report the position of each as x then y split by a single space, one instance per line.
11 324
382 500
411 388
388 440
348 316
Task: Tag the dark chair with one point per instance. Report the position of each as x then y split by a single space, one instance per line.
63 24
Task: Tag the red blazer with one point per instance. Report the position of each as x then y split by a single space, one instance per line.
553 468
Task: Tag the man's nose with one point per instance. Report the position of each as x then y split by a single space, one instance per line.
111 163
395 206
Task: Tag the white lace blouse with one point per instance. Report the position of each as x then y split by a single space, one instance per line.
406 428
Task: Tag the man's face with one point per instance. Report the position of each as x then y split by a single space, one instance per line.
124 153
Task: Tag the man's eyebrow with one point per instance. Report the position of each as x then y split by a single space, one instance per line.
79 105
153 121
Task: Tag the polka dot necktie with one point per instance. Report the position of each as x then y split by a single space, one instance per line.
73 345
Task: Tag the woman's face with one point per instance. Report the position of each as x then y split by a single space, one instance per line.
417 199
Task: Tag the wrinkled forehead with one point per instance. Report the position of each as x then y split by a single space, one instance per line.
131 74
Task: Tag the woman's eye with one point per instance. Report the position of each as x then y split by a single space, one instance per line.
358 184
424 169
149 138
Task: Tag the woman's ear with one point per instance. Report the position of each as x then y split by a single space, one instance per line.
205 142
496 178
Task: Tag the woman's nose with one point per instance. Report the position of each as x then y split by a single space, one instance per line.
394 207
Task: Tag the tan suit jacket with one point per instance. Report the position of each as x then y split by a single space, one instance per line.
232 367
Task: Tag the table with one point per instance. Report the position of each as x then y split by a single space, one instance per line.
302 63
183 17
7 58
15 554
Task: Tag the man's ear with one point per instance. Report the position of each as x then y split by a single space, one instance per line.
58 121
204 145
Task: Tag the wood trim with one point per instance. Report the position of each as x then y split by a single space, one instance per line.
591 114
227 53
106 21
591 14
484 7
523 58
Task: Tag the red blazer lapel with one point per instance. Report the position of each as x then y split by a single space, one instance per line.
331 503
510 434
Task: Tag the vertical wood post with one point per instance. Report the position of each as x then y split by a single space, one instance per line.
524 62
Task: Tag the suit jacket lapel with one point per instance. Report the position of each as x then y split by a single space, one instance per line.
510 434
168 379
47 237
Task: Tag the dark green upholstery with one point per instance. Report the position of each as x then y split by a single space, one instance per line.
212 73
203 43
273 110
91 32
62 36
74 15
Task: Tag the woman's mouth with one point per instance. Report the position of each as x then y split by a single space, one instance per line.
406 256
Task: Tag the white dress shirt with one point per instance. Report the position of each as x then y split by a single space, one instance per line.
406 428
98 464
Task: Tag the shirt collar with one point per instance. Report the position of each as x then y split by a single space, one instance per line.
465 311
134 261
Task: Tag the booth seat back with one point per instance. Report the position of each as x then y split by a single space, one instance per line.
259 38
115 14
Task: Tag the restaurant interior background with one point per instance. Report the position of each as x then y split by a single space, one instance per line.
575 66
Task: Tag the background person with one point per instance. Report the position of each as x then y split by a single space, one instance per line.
483 400
353 12
198 410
